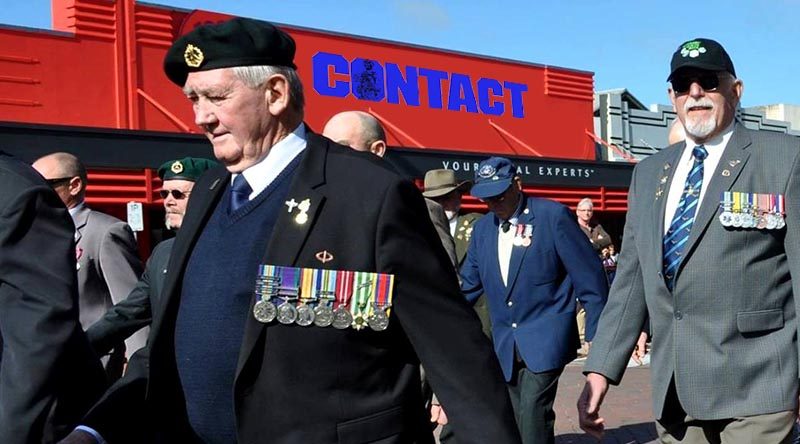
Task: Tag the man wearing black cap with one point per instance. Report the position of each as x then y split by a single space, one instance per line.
711 250
531 261
273 278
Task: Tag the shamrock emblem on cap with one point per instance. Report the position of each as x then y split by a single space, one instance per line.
193 56
692 49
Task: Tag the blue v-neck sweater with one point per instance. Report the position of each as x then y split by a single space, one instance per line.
215 300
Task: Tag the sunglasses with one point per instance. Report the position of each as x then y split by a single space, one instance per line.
709 81
177 194
58 181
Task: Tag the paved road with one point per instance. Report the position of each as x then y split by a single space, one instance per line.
627 409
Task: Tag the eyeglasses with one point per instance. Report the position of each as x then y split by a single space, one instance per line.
58 181
177 194
709 81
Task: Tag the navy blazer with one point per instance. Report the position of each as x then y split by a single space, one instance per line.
536 310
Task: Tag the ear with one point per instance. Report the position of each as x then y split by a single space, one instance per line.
738 89
378 148
76 186
277 94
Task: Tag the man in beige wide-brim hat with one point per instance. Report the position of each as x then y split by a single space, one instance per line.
442 187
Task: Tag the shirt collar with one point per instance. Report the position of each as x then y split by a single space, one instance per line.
263 173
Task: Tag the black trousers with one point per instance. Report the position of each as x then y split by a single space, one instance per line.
532 396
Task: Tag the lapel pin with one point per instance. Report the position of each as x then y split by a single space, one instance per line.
733 163
214 184
291 204
726 173
324 256
667 166
663 180
302 216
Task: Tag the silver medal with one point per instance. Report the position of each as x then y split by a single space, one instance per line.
772 222
726 218
305 315
781 222
264 311
323 316
287 314
736 220
342 318
378 320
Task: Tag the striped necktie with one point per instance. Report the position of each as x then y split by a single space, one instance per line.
681 226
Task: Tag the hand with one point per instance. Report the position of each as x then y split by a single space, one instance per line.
438 415
78 437
589 405
641 348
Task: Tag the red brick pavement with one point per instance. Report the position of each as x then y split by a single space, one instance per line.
627 409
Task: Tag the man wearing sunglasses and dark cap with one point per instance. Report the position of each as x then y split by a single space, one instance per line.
711 250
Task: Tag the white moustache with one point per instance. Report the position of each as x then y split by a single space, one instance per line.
702 102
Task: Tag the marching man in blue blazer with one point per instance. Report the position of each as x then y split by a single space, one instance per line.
531 260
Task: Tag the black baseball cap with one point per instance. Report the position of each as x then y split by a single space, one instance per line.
701 53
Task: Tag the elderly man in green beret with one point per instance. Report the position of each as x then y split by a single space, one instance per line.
306 284
134 312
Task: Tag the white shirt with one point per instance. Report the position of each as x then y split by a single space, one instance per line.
453 225
715 147
260 175
505 242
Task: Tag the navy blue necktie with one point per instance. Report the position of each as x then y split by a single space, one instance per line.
240 192
681 226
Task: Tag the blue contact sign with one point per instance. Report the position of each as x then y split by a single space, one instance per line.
369 80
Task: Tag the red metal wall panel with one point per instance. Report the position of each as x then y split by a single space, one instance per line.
108 73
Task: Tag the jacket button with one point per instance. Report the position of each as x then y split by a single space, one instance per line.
678 315
510 303
513 325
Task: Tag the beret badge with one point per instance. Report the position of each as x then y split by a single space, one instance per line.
193 56
177 167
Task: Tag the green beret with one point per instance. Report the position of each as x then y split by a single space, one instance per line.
236 42
188 168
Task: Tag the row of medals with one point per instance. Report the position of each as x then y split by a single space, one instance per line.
321 315
522 238
752 219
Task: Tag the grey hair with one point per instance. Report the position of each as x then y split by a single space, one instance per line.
255 76
586 202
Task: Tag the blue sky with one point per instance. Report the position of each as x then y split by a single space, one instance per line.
627 44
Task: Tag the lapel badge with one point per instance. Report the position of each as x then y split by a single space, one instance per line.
663 180
291 204
214 185
302 216
324 256
667 166
733 163
726 173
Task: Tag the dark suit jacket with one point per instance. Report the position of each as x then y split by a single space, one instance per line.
47 366
134 312
535 312
727 334
323 385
